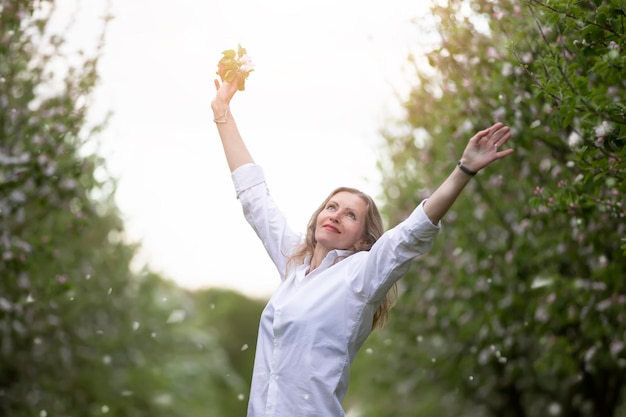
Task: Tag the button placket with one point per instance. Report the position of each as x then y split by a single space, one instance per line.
272 383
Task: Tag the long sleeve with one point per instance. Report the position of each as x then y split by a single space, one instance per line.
390 257
261 212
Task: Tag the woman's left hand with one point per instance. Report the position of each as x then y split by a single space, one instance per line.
483 148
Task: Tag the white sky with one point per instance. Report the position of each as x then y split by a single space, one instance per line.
310 115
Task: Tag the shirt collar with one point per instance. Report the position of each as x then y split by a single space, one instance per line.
331 258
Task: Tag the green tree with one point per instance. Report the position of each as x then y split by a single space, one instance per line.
64 304
234 319
518 310
579 70
193 367
80 333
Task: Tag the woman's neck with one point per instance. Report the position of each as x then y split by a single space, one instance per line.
319 253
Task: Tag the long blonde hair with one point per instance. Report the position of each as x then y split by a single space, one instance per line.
372 231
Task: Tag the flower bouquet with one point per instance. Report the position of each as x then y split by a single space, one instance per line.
235 64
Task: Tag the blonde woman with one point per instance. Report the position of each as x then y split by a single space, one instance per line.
337 281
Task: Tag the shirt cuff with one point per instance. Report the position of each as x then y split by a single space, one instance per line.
421 223
247 176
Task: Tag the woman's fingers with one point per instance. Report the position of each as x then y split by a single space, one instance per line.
499 136
504 153
484 147
486 134
481 135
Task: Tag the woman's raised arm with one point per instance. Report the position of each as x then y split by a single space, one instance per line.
481 150
235 149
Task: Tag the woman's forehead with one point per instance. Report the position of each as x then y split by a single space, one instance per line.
346 198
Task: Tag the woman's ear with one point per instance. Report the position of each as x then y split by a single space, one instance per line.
360 245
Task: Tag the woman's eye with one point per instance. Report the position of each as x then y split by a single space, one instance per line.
352 216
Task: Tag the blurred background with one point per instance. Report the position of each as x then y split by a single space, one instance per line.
323 85
131 284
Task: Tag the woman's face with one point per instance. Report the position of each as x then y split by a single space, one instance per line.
341 223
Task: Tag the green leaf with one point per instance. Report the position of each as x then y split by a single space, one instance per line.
229 54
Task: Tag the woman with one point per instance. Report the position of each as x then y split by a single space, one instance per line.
336 280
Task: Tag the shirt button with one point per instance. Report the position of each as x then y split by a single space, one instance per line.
276 343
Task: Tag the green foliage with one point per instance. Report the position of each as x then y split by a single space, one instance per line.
580 73
234 318
235 65
518 310
80 333
192 370
50 224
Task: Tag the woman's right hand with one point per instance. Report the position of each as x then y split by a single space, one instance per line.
224 93
235 149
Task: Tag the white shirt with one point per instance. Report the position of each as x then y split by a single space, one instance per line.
314 324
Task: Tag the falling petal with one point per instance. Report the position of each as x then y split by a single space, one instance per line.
177 316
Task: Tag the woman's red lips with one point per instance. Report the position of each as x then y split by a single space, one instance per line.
331 228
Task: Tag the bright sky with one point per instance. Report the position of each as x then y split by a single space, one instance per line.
310 115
